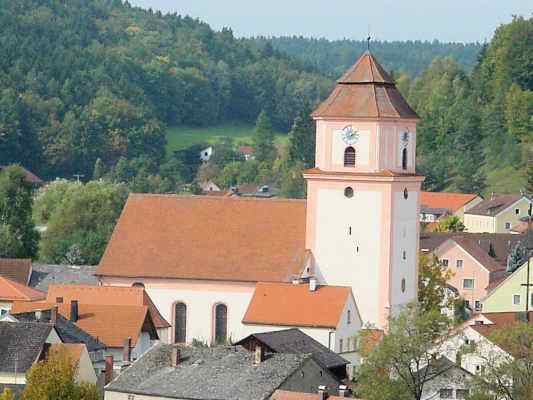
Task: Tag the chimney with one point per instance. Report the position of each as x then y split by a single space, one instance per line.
312 284
322 392
175 356
344 391
108 372
126 351
53 315
59 300
258 355
74 311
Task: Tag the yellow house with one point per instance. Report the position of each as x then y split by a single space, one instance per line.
497 214
510 293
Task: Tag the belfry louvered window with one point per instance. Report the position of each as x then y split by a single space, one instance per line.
349 157
180 323
404 159
221 324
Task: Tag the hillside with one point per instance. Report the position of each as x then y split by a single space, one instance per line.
333 57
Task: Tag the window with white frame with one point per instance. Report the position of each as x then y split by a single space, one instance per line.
507 225
446 393
341 343
516 299
349 317
517 211
444 262
468 283
478 305
459 263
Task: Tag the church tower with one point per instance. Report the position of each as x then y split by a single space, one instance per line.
363 194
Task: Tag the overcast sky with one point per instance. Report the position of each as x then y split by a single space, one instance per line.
446 20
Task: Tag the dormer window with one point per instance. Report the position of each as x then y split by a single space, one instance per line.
349 157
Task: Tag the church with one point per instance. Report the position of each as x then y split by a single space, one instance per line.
221 268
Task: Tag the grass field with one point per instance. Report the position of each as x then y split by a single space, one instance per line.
180 137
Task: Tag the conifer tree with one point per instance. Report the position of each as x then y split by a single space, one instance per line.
302 138
264 138
516 257
99 169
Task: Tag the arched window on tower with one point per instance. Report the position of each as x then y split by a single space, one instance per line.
404 159
349 157
180 323
221 324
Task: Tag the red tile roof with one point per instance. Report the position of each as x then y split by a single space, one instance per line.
365 91
110 324
201 237
13 291
245 149
287 304
499 321
450 201
287 395
16 269
106 295
30 176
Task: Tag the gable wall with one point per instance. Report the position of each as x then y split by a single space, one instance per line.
451 251
510 215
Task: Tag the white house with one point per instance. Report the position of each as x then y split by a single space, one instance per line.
206 261
206 153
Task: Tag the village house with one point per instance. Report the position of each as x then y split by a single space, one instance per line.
11 291
509 293
246 152
21 345
477 332
30 176
498 214
475 260
216 373
204 260
434 205
16 269
126 331
209 186
294 341
206 154
82 362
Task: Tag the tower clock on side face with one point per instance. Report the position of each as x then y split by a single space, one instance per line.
349 135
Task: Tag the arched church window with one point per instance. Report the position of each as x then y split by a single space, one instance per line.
221 323
180 323
348 192
404 159
138 284
349 157
405 193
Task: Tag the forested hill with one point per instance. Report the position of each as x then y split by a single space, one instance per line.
88 79
332 58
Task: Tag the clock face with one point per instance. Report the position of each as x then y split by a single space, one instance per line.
349 135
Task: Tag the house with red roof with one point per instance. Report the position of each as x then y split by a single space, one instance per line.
434 205
11 291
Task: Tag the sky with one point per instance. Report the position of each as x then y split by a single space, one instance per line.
445 20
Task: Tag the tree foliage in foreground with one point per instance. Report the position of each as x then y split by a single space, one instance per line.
392 369
54 378
432 284
18 237
80 219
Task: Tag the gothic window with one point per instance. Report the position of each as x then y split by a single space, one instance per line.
404 158
221 323
180 323
348 192
349 157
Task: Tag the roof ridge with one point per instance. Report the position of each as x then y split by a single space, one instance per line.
215 198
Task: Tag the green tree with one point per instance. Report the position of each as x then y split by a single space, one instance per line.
17 227
449 223
507 378
55 378
292 182
81 224
264 139
432 282
99 169
516 257
393 370
7 394
302 138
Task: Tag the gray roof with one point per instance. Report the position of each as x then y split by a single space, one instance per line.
496 204
21 344
207 373
68 331
296 342
44 275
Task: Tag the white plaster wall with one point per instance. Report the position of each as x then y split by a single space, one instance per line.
362 147
347 331
12 378
200 304
453 378
405 238
85 371
335 251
